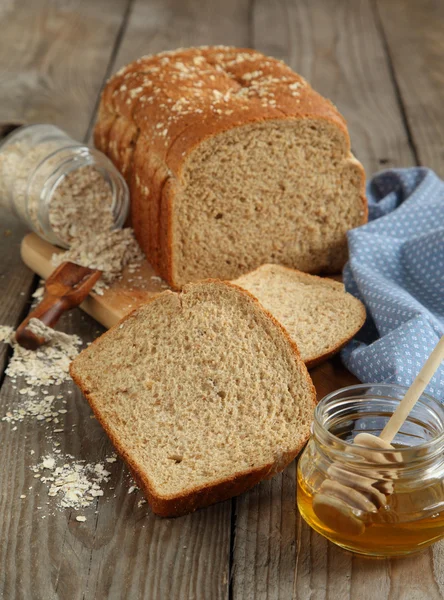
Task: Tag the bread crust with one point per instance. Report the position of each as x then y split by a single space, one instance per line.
191 500
172 102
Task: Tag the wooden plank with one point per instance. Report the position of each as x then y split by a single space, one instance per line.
414 34
160 25
270 540
325 571
16 280
265 546
53 73
37 541
53 58
339 49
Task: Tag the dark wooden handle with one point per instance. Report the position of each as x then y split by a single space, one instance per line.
65 288
49 312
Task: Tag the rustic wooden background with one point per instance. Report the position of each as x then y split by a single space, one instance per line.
381 62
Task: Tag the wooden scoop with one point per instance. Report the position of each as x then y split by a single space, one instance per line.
65 288
346 498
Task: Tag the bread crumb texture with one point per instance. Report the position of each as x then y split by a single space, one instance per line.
317 312
198 388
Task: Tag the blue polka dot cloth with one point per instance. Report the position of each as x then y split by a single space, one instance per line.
396 267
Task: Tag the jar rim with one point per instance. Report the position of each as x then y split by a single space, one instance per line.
21 129
70 158
433 403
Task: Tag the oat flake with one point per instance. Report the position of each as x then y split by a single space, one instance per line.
80 205
75 484
5 333
47 365
108 251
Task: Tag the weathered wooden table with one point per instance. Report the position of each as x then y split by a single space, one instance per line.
381 61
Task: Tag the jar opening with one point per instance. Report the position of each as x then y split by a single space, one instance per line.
341 415
76 189
55 184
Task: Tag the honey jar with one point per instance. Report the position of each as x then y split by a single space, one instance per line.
412 478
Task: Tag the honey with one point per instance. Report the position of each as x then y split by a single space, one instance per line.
386 533
412 514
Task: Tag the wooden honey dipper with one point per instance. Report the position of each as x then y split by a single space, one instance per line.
344 493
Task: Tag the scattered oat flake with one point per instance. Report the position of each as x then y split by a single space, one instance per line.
109 251
47 365
74 484
39 292
5 333
48 463
40 408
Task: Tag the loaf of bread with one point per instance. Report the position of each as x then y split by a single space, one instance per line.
233 161
201 392
317 312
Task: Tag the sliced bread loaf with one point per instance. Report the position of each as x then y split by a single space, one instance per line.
233 160
319 315
202 392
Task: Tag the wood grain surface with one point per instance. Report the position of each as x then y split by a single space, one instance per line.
338 48
16 280
381 63
54 57
414 40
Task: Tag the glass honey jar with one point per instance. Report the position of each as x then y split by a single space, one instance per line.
399 508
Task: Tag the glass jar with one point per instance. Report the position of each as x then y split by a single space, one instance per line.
40 164
405 508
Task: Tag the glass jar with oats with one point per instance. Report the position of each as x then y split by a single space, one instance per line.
60 187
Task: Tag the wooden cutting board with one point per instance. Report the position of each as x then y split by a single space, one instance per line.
121 298
135 289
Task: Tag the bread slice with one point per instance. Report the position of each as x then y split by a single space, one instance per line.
319 315
202 393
